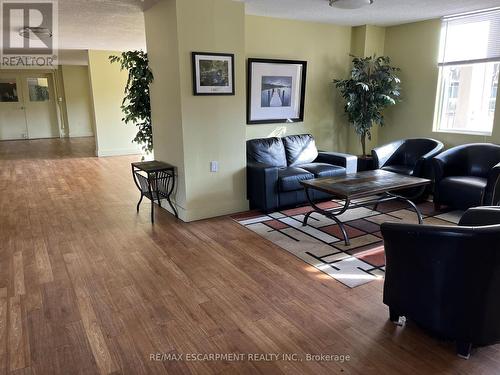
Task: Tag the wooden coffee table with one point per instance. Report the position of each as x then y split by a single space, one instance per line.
362 185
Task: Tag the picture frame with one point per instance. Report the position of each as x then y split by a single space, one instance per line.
213 73
275 91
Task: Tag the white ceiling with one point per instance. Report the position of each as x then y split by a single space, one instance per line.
119 24
381 12
101 24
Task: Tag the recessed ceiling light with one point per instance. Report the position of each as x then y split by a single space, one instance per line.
35 33
350 4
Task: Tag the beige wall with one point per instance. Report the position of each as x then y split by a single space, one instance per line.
415 48
210 128
326 49
77 99
107 84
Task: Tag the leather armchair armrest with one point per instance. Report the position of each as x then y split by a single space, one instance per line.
449 163
480 216
349 162
424 159
492 194
382 154
262 181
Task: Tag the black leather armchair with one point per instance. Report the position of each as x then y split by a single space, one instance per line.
447 279
468 176
408 156
275 167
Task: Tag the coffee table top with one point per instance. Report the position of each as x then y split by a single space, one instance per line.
364 184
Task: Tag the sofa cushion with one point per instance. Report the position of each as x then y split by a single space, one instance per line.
462 191
401 169
300 149
323 169
269 151
289 178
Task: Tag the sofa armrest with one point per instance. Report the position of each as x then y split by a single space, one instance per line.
492 194
262 184
349 162
480 216
382 154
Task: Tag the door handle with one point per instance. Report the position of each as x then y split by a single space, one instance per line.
22 107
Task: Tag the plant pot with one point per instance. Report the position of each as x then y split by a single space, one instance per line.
365 163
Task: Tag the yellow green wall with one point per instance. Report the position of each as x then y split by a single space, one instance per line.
191 131
77 98
210 128
326 49
366 41
166 108
415 48
107 84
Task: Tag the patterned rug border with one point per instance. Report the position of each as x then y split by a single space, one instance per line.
320 244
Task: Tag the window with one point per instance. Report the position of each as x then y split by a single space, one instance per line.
8 90
38 89
494 88
469 66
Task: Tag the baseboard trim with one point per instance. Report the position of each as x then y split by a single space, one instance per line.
195 214
81 135
118 152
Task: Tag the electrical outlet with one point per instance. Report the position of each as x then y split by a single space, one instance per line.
214 166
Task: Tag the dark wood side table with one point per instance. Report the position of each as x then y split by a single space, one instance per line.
155 180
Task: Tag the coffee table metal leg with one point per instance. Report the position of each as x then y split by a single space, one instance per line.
329 214
409 202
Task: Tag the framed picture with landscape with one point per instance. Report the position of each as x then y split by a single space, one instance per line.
213 73
276 91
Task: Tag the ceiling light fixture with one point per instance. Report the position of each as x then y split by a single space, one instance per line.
35 33
350 4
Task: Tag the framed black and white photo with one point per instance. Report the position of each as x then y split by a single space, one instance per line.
276 91
213 73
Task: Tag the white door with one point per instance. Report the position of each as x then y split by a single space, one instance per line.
12 114
40 105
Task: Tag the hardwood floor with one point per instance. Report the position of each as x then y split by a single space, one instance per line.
89 287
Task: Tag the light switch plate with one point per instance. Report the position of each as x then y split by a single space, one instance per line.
214 166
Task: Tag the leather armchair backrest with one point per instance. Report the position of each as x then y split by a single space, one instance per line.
480 158
300 149
411 150
270 151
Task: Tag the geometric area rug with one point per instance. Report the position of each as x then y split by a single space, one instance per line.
320 243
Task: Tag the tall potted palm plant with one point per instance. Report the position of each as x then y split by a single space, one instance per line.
372 87
136 106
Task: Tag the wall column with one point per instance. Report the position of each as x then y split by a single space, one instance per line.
190 131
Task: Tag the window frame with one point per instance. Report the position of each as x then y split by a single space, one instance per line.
444 62
440 105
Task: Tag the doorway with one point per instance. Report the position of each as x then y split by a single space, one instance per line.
28 107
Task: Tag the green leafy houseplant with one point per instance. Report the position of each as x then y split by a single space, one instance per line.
136 106
373 86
